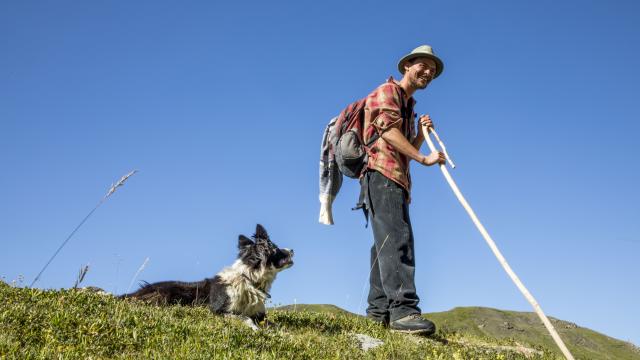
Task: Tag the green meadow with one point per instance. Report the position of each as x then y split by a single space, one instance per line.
79 324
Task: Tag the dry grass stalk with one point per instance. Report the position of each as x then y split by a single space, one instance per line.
144 264
81 274
119 183
113 189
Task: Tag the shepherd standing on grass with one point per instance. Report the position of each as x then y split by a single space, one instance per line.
380 158
386 189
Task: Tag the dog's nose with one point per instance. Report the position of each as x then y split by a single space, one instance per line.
290 251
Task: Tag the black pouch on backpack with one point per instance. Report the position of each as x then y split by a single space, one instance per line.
351 155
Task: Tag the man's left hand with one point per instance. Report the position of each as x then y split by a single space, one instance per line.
425 121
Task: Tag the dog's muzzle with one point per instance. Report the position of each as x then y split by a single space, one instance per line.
287 261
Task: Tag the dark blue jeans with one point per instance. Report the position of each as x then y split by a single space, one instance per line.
392 291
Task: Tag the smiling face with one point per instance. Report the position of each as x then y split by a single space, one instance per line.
419 72
263 253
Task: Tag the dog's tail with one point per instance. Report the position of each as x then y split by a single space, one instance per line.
171 292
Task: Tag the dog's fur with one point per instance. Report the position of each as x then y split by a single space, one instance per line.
240 289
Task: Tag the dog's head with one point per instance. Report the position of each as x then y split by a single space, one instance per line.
262 253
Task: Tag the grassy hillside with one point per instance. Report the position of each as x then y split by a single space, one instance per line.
523 328
319 308
74 324
526 327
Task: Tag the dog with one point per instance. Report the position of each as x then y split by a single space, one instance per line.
239 290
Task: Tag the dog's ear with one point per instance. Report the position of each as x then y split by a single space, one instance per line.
243 242
261 233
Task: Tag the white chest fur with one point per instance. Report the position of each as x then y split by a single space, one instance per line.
247 288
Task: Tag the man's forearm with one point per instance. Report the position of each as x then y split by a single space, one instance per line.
394 137
417 142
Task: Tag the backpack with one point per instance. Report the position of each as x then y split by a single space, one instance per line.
343 152
350 151
349 148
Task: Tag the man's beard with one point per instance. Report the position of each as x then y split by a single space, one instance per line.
419 84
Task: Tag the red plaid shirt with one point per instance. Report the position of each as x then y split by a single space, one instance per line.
383 112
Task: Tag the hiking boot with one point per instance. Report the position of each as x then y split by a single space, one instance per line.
413 324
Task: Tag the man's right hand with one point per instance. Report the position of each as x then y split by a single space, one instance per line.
436 157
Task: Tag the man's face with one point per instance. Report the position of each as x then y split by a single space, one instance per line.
420 72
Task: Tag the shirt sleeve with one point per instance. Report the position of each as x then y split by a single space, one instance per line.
384 105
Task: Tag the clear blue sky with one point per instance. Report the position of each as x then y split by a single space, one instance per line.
221 106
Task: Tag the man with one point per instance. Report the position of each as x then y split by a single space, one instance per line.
386 187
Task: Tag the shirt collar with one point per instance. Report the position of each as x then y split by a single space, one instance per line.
411 100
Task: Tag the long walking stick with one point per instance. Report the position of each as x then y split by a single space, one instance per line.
494 248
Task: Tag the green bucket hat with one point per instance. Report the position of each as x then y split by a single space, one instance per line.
422 51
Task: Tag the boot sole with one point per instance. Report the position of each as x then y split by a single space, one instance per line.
414 332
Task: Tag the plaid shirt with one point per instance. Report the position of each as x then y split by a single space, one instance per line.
383 112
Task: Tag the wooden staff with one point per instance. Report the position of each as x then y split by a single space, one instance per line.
494 248
444 149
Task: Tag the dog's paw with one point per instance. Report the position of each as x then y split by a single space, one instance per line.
245 320
251 324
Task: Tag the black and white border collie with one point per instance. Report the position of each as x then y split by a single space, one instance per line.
238 290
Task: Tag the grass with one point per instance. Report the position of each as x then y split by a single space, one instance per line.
526 327
78 324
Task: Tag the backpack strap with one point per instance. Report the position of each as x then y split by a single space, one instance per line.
403 111
355 112
373 138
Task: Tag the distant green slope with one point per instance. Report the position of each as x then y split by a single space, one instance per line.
527 327
75 324
522 327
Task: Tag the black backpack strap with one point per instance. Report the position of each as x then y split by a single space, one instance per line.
403 112
364 200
